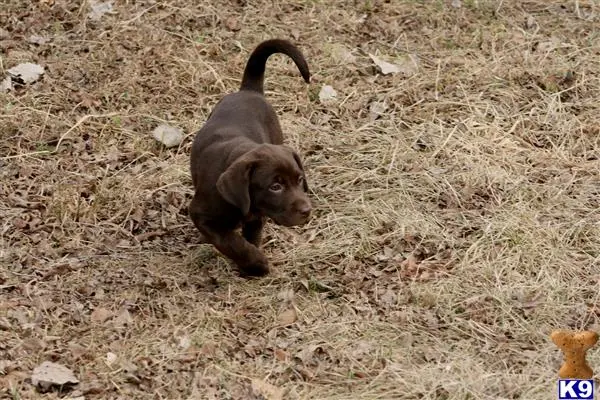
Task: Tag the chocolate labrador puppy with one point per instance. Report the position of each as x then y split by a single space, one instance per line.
241 171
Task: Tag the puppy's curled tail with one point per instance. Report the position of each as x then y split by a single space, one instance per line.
254 73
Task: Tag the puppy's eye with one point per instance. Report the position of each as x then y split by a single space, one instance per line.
276 187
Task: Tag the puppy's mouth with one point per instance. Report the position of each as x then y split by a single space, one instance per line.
290 220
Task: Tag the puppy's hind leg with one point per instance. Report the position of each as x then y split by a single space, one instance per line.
252 231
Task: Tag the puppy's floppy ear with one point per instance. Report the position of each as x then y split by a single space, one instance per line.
234 183
299 162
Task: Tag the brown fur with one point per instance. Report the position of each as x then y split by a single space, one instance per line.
238 164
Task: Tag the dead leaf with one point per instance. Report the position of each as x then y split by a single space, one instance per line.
456 3
266 390
377 109
253 347
314 285
288 317
388 298
99 294
111 358
44 303
359 374
208 349
286 295
406 65
26 73
128 366
189 355
37 39
549 45
185 342
123 318
327 94
100 315
204 387
88 101
530 23
138 215
386 254
409 64
385 67
149 235
168 135
77 350
342 54
307 354
362 350
49 374
411 262
375 272
99 9
232 23
6 84
280 355
19 223
34 344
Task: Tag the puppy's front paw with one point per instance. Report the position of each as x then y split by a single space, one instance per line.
258 267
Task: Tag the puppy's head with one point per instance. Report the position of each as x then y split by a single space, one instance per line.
270 180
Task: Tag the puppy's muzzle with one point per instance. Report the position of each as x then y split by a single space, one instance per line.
305 210
299 214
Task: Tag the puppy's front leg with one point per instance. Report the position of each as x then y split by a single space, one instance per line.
250 260
252 231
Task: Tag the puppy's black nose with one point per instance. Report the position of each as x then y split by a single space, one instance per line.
305 210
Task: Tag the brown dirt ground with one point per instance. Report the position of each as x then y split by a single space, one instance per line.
452 234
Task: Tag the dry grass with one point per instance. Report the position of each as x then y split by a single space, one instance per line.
452 234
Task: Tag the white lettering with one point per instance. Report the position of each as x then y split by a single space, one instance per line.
586 388
565 390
